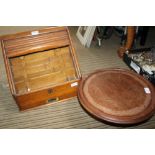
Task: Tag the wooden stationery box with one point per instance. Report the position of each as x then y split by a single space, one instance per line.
41 66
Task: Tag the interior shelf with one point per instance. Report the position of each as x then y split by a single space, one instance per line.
42 69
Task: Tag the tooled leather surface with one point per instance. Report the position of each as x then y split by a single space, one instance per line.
116 93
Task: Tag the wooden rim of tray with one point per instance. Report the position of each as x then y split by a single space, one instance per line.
117 95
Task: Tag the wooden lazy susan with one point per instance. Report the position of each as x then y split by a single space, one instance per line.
118 96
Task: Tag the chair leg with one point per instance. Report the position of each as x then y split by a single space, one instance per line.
129 42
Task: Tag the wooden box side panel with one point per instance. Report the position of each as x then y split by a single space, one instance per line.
74 56
8 70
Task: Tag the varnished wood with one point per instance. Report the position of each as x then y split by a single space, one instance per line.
74 56
41 97
129 42
21 45
38 64
28 33
42 69
118 96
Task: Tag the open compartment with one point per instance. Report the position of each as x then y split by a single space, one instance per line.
43 69
41 65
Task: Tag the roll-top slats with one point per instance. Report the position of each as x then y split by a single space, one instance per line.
33 43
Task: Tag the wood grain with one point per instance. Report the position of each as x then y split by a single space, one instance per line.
129 42
37 63
118 96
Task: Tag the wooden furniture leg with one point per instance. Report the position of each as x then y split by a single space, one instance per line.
129 42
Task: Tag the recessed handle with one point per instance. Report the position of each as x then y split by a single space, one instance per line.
51 100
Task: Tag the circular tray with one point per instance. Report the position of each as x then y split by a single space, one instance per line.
118 96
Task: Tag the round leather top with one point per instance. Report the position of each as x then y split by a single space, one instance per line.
117 95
